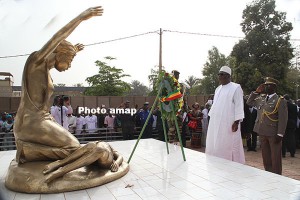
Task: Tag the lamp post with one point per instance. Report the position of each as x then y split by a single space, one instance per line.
297 85
160 50
297 56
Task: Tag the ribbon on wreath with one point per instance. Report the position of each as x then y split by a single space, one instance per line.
172 96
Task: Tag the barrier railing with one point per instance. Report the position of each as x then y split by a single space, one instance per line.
7 139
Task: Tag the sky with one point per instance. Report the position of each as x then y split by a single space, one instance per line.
26 25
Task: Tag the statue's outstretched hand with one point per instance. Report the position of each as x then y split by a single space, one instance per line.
79 47
91 12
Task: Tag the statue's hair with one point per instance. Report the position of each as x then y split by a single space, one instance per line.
66 47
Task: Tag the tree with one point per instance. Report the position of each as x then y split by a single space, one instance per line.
138 89
211 69
197 90
292 85
108 80
153 81
265 50
191 81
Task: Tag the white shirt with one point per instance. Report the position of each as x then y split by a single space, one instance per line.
251 109
91 121
270 96
56 113
70 109
109 121
205 113
80 121
72 122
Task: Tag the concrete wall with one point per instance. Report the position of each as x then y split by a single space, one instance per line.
6 82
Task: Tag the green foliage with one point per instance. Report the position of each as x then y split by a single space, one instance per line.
292 85
108 81
197 90
210 71
138 89
192 81
170 86
266 49
248 76
153 77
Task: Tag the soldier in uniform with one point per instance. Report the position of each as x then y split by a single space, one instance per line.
272 115
127 123
182 118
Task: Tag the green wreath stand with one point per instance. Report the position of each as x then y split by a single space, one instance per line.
169 108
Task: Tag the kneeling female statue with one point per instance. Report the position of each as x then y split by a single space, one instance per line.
45 150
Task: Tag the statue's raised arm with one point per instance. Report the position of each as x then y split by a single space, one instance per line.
49 158
65 31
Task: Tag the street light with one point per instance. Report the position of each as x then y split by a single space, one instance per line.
297 56
297 85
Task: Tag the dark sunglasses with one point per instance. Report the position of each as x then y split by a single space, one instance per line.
222 74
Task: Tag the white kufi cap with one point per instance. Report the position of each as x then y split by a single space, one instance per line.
226 69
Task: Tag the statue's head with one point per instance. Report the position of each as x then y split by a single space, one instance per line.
65 52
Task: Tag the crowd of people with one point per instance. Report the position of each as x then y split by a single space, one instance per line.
129 125
81 124
220 125
6 129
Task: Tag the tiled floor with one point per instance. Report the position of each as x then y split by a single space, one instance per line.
290 165
154 174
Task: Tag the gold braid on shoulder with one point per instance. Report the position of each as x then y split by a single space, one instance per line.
267 114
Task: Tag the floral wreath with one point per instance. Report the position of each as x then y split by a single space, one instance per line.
170 92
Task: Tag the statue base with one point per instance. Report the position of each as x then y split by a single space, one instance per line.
29 178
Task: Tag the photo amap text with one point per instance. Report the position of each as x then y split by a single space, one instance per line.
113 111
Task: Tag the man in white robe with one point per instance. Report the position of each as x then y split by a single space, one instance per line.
91 121
204 124
224 135
72 123
80 122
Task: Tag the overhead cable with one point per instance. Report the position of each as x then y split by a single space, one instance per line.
150 32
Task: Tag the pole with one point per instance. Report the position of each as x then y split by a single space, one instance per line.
297 77
145 124
160 51
177 129
164 127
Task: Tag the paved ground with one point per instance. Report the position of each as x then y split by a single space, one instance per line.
290 166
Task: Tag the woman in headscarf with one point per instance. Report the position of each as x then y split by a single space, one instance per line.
195 117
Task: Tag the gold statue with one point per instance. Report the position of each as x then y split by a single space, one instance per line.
47 154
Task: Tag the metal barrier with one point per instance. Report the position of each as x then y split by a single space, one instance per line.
104 134
7 139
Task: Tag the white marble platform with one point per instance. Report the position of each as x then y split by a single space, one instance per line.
155 174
